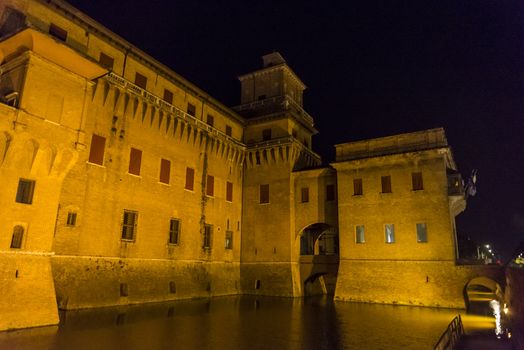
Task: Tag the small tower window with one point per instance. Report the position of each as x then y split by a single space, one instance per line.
18 235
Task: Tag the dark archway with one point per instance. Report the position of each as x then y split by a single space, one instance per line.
319 239
479 292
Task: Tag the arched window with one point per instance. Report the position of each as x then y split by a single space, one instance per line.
18 235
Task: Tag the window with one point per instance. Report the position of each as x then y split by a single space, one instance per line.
210 186
357 187
129 222
25 191
106 61
386 184
140 80
57 32
174 231
257 284
359 234
208 231
229 131
123 291
422 233
165 171
71 218
135 160
266 134
416 180
390 233
228 244
172 287
304 194
96 152
191 109
264 194
330 192
168 96
18 235
229 191
190 177
210 120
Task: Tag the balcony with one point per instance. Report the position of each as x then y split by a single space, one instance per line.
455 185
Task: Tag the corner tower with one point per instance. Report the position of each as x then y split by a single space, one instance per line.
278 141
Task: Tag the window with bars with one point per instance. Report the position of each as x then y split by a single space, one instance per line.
18 236
264 194
129 224
386 184
174 231
357 187
229 191
360 234
304 194
416 181
165 171
135 161
168 96
24 193
228 244
96 151
190 179
208 232
422 233
71 218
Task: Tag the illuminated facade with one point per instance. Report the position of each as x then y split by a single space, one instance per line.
124 183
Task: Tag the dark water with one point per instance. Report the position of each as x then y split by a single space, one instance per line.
240 323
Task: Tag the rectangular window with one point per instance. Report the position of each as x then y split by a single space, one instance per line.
71 219
57 32
228 244
18 236
190 177
416 180
304 194
25 191
357 187
106 61
129 223
135 160
266 134
210 120
191 109
165 171
330 192
140 80
386 184
210 186
229 131
96 152
422 233
208 232
389 230
264 194
174 231
229 191
168 96
359 234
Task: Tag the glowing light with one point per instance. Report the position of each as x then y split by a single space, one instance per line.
495 305
506 309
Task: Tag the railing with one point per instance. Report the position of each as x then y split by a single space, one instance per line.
451 336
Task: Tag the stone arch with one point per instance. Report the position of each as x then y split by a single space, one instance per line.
319 239
479 291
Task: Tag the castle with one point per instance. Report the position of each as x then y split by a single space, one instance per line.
122 182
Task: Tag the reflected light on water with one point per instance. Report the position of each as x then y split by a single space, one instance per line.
495 306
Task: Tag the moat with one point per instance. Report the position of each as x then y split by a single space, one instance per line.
240 323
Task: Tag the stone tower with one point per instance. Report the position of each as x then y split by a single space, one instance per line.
278 141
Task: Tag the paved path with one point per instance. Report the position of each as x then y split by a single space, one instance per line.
480 335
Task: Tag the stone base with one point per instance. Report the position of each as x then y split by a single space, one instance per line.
271 279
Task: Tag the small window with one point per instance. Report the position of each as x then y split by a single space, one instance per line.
257 284
229 191
191 109
390 233
165 171
266 134
135 160
129 224
304 194
168 96
416 180
229 131
25 191
57 32
208 231
174 231
228 244
210 120
330 192
71 219
140 80
357 187
210 186
359 234
18 236
386 184
264 194
172 287
422 233
96 151
190 177
123 290
106 61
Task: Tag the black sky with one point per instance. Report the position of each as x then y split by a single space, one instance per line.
373 68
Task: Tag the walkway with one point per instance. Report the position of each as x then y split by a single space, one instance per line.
480 334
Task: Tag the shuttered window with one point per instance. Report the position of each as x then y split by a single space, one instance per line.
229 191
129 223
140 80
135 161
174 231
386 184
416 180
229 131
190 177
168 96
24 193
96 151
208 231
106 61
210 120
264 194
357 187
165 171
191 109
304 194
18 236
210 186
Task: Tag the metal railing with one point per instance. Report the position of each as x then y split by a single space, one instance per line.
451 336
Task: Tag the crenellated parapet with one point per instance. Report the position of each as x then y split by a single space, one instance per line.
280 151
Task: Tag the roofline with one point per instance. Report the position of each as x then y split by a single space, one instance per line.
274 67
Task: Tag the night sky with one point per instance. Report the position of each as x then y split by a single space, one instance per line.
373 68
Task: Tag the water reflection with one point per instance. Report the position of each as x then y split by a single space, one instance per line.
240 323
